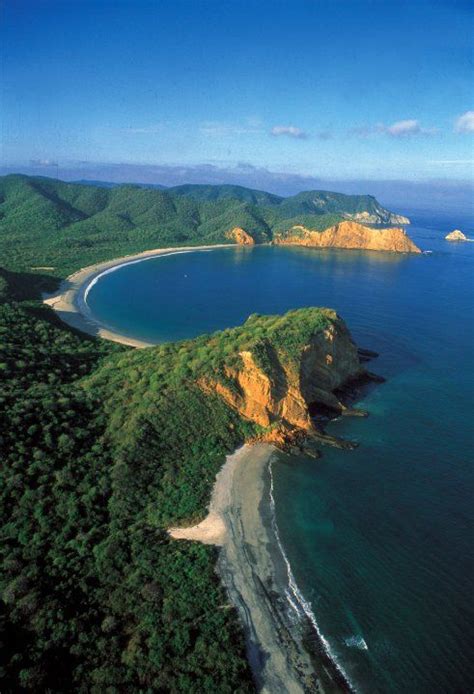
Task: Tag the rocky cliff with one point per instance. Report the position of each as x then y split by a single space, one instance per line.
349 235
297 367
280 374
241 237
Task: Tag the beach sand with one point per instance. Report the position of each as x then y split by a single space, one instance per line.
69 301
253 570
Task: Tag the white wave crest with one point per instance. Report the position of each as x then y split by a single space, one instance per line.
295 598
356 642
134 262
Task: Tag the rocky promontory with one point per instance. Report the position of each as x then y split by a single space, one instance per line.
299 366
279 376
350 235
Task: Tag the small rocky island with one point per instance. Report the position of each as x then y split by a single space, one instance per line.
456 235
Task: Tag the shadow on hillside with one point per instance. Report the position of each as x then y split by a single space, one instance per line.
28 286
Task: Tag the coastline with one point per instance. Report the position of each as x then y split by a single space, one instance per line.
69 300
284 647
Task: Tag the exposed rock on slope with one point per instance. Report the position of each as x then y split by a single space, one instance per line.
275 387
349 235
379 217
240 237
275 372
456 235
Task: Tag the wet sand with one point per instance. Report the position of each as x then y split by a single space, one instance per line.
254 572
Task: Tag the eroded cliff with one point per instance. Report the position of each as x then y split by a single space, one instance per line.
240 236
288 371
271 378
350 235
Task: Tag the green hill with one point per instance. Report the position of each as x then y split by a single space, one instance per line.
321 202
225 192
45 223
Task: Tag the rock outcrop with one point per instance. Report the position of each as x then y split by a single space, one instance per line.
276 388
377 218
240 236
350 235
456 235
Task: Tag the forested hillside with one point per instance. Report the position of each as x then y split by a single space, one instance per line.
59 227
102 448
95 597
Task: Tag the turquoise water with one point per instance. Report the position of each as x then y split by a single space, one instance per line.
380 538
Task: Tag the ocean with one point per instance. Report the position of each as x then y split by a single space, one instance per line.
379 539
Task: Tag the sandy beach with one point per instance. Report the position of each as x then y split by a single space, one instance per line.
69 301
256 576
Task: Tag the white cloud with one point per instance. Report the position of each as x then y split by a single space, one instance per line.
465 123
289 131
401 128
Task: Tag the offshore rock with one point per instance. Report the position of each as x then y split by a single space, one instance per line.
456 235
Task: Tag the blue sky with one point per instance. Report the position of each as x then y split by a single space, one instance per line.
337 89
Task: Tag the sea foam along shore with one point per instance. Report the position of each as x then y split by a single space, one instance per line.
255 571
70 300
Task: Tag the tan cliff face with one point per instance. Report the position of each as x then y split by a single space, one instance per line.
240 236
350 235
278 398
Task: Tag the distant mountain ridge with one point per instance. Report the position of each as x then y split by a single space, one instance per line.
312 202
113 184
47 222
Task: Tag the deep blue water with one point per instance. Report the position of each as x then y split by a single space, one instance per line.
380 539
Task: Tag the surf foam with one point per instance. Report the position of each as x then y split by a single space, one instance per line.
294 596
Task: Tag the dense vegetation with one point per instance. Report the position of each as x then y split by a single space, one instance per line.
58 227
102 448
95 597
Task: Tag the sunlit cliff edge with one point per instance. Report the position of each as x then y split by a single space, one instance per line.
350 235
296 369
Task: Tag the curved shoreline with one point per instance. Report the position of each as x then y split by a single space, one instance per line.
69 301
285 647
